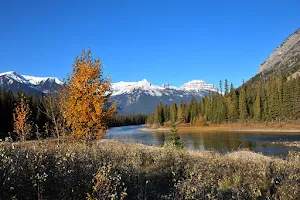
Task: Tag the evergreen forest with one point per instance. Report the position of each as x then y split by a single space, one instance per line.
275 100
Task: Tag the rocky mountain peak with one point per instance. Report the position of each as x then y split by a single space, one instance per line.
284 56
196 85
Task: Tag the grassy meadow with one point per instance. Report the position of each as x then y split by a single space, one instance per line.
115 170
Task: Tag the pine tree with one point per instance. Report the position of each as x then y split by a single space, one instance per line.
226 87
193 109
173 113
159 114
264 104
257 104
233 107
174 138
221 87
209 107
180 116
220 110
297 98
202 106
274 107
280 96
166 109
184 112
243 114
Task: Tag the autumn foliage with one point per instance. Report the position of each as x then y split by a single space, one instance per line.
21 122
86 104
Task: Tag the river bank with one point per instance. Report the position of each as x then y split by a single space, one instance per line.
295 144
236 127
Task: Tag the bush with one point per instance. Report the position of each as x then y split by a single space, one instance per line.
43 170
174 138
107 185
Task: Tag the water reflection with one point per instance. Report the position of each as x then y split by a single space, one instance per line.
212 140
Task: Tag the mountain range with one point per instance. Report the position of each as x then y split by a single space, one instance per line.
131 97
29 84
142 96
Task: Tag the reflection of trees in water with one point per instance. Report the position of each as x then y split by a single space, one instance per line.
210 140
220 141
191 141
160 137
196 142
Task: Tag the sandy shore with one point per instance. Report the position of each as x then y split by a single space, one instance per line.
234 127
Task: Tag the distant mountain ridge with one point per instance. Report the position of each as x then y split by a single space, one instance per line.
131 97
195 86
29 84
143 96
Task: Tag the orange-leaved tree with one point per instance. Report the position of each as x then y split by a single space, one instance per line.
86 103
22 126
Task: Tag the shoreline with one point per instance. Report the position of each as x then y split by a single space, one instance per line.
226 128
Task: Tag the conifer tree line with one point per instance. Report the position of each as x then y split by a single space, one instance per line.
277 99
8 102
125 120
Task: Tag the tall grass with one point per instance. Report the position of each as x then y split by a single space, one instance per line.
42 170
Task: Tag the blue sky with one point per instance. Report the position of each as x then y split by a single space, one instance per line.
160 40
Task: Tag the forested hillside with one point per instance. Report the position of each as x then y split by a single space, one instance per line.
275 100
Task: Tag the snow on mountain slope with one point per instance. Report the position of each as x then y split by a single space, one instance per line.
198 85
13 76
131 97
29 79
38 80
128 87
29 84
117 88
143 97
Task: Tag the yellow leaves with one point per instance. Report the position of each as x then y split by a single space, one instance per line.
86 104
21 120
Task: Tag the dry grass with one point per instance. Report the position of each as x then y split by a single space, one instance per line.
290 144
291 127
42 170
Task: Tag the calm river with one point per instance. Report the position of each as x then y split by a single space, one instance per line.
210 140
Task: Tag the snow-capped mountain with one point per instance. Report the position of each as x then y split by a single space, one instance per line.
131 97
29 84
198 87
143 97
129 87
